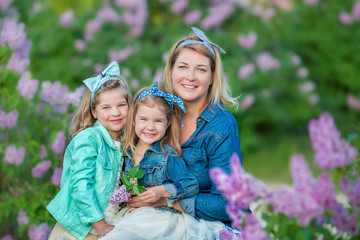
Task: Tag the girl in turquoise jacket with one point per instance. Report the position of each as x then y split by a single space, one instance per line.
92 160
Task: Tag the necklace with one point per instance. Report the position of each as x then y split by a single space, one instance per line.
182 123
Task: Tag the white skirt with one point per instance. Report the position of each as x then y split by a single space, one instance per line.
151 223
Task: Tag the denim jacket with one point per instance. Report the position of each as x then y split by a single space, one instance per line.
168 170
215 139
90 167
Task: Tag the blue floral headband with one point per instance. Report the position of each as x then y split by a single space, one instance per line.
200 34
171 99
112 72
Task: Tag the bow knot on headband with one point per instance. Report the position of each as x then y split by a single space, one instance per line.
171 99
200 34
112 72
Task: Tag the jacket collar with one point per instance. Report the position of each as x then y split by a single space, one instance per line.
210 111
105 134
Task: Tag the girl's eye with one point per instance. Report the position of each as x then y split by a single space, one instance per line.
105 107
122 105
182 67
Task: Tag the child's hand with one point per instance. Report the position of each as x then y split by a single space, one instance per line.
153 194
102 228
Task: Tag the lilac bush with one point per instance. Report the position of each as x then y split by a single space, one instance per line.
310 207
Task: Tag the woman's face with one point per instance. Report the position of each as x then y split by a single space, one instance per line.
191 76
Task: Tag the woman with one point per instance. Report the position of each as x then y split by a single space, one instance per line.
209 132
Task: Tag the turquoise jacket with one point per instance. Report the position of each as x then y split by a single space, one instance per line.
89 174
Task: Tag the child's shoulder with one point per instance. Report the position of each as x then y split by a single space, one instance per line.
88 133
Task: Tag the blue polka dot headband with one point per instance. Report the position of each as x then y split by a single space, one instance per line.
200 34
171 99
112 72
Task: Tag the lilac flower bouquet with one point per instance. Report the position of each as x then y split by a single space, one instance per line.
310 209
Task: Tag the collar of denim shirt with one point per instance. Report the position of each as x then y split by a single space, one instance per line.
210 111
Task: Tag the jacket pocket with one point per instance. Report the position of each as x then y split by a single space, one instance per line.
154 175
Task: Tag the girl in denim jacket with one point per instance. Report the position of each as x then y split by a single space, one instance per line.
151 142
92 159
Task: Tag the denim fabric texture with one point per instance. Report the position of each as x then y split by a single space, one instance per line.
215 139
90 167
169 170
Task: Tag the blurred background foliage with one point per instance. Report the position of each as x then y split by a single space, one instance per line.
287 60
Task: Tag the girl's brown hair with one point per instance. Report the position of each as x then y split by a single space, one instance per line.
172 133
83 117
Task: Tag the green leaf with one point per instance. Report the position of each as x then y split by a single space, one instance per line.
133 171
136 189
125 180
352 136
141 188
139 174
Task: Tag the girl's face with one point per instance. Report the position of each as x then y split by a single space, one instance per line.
191 76
111 111
150 124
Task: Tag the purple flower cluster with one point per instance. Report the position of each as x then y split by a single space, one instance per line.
67 18
121 55
330 150
58 145
267 62
56 177
8 121
348 18
12 34
41 232
26 86
253 230
135 16
119 195
41 168
22 218
7 237
352 192
14 156
219 12
5 4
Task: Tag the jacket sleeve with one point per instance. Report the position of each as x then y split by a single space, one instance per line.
211 205
82 177
182 183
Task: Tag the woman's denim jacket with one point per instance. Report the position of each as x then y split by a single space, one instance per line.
168 170
90 167
215 139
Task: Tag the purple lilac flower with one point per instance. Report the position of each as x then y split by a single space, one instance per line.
253 230
92 27
247 41
54 93
13 34
352 192
236 214
302 72
265 14
17 63
192 17
74 98
26 86
56 177
345 18
79 45
245 71
43 152
108 14
307 87
41 232
228 235
323 191
330 150
135 16
121 55
218 14
356 11
352 102
40 169
22 218
7 237
341 219
67 18
134 84
8 120
5 4
58 145
267 62
158 76
248 188
301 174
295 205
14 156
248 100
119 195
179 6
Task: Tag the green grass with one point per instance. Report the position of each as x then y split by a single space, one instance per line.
271 163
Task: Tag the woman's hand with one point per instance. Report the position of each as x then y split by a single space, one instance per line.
102 228
153 194
136 202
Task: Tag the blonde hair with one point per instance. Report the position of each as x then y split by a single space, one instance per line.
172 133
219 90
83 117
